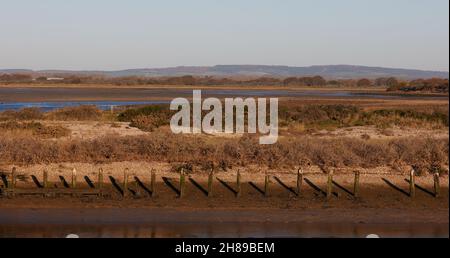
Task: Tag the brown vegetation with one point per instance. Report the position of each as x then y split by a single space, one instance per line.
430 85
436 85
312 117
36 128
80 113
427 154
226 153
23 114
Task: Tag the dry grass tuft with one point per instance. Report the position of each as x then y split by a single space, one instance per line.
35 128
80 113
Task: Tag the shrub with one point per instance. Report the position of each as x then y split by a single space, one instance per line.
23 114
80 113
226 153
36 129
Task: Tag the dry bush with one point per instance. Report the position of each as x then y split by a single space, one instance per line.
23 114
51 131
226 153
148 123
317 116
384 118
80 113
147 118
36 128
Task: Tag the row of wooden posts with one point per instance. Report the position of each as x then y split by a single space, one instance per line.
98 189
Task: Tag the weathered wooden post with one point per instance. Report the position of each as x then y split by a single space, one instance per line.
13 181
330 185
299 181
45 182
182 182
74 178
210 183
412 184
437 186
152 183
45 178
125 183
100 181
266 185
356 185
238 184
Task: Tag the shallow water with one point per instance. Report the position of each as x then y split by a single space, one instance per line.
157 223
48 106
215 230
52 98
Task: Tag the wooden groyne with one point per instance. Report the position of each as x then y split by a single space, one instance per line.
135 186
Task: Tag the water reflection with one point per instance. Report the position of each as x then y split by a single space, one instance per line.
242 230
48 106
159 96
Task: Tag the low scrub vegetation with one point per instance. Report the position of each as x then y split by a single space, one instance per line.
308 117
338 116
36 129
206 153
404 118
435 85
147 118
23 114
80 113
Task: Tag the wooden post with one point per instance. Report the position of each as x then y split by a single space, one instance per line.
412 184
182 183
266 185
45 179
13 180
100 181
330 185
437 186
210 183
74 178
299 181
137 189
356 185
152 183
125 183
238 184
13 177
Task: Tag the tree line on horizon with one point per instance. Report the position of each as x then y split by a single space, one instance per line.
437 85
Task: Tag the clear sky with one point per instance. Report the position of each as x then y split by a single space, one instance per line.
119 34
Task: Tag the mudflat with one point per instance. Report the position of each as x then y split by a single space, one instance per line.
115 93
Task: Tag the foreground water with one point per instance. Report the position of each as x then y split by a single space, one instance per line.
242 230
158 223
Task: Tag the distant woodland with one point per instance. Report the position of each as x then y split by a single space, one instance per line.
433 85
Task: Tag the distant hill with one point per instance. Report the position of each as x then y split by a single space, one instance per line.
327 71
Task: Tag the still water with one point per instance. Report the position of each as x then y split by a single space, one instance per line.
214 230
48 106
53 98
168 223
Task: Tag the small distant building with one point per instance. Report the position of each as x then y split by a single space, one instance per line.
55 79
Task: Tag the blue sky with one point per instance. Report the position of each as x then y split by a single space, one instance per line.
114 34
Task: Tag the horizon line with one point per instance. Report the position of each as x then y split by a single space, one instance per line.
200 66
